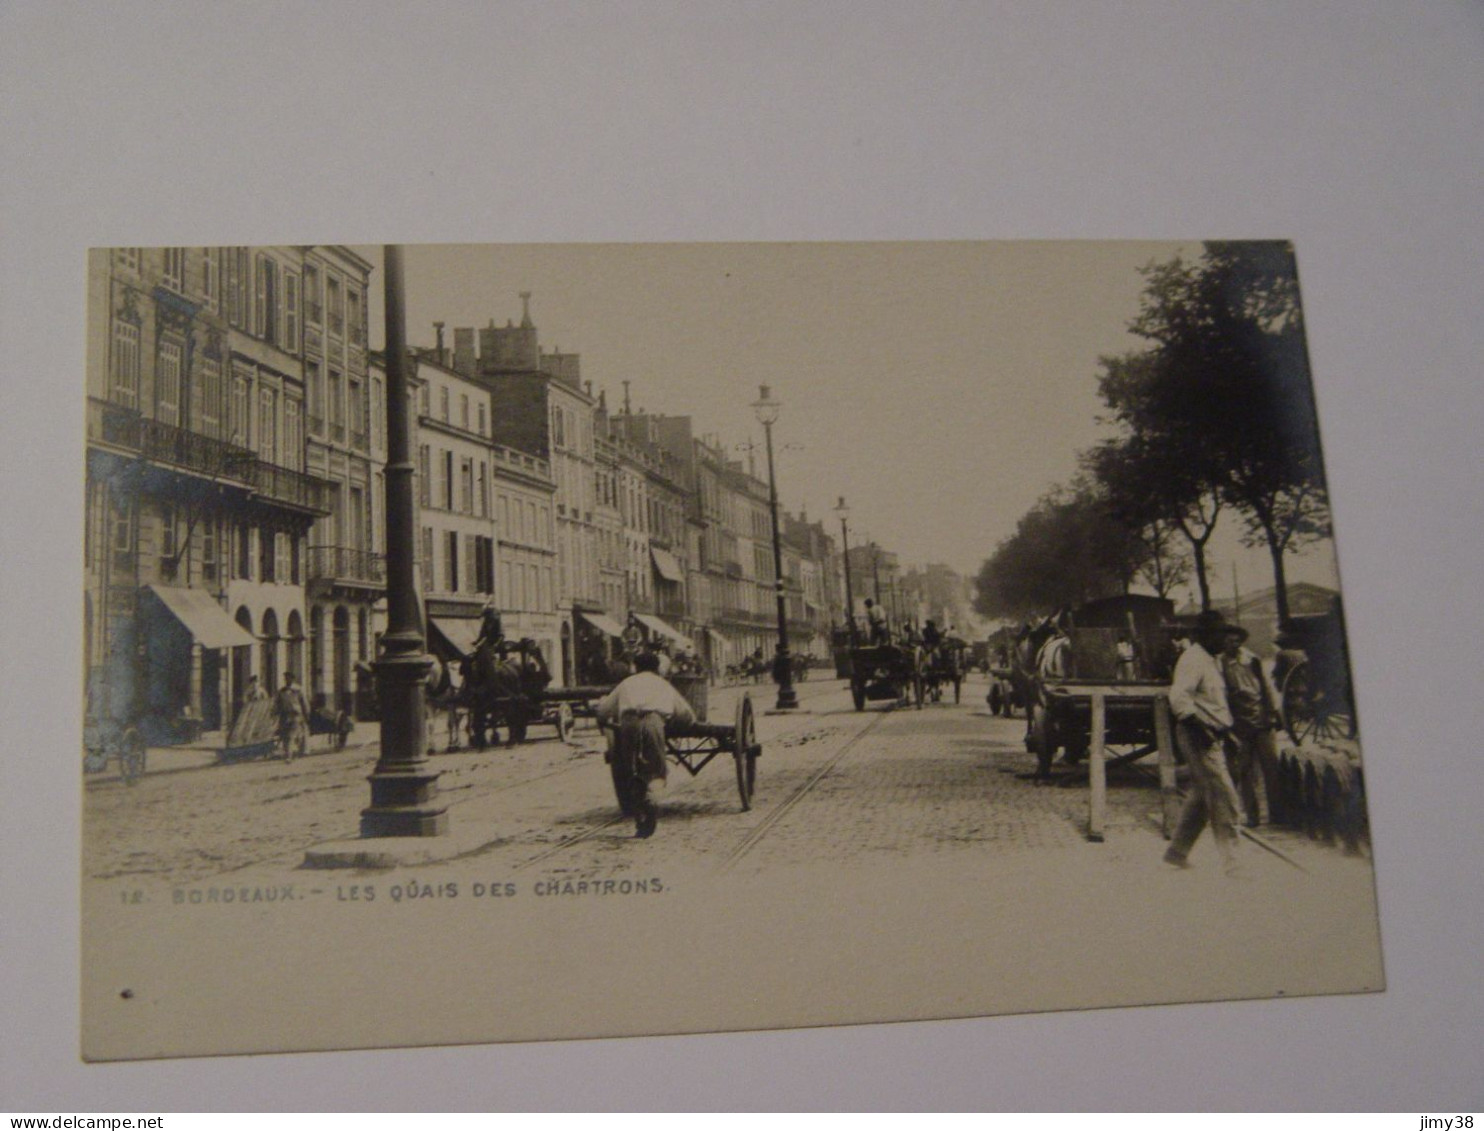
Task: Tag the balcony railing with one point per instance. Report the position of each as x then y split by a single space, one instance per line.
205 455
342 564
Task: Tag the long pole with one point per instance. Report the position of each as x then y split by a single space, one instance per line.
849 596
788 698
403 789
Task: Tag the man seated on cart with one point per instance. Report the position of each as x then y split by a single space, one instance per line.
639 708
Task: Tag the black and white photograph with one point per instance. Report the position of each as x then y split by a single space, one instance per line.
477 595
672 555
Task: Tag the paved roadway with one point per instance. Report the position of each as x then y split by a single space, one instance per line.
834 785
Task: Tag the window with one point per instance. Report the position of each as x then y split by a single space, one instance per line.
353 316
282 558
169 528
129 257
175 269
446 467
464 411
484 490
244 552
265 321
337 403
427 556
208 550
357 413
211 396
451 562
314 384
466 486
265 556
241 410
422 402
267 421
378 424
424 477
293 435
126 363
335 300
481 420
557 432
291 311
443 403
211 278
122 540
167 382
313 313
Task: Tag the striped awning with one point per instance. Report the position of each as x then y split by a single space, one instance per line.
206 621
666 564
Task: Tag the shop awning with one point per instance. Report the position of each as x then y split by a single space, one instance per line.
603 623
203 618
660 628
459 633
666 564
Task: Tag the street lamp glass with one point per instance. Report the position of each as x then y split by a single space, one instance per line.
842 512
765 406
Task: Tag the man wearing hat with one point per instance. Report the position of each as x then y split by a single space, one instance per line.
1252 751
1203 720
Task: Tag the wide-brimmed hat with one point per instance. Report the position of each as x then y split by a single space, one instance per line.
1211 623
1239 632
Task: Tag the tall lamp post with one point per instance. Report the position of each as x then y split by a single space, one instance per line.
767 409
403 788
844 512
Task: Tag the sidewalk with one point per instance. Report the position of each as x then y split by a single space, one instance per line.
206 751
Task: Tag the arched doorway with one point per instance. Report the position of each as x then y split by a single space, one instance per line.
241 661
342 659
270 651
316 679
296 645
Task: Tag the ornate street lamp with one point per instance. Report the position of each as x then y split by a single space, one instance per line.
844 512
403 788
767 409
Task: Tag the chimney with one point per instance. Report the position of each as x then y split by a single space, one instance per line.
626 398
525 310
438 329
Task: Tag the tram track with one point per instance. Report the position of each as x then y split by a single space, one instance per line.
768 823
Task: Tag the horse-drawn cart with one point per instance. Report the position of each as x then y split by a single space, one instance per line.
1313 675
891 672
945 666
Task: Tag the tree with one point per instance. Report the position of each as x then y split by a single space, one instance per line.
1224 392
1066 550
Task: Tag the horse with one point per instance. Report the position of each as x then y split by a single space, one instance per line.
1024 678
442 691
498 687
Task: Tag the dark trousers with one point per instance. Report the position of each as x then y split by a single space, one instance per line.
641 746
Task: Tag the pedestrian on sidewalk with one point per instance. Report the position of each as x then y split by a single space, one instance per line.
1252 751
1203 722
292 710
639 708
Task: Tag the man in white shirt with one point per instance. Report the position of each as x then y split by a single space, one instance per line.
1202 722
639 708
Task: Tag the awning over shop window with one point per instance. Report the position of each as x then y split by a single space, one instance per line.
203 618
660 628
667 564
603 623
457 634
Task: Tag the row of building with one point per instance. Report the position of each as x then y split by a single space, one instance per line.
236 444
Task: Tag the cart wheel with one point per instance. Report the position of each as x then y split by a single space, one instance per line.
1298 706
131 756
858 694
744 751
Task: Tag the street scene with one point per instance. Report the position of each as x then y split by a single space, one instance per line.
1025 685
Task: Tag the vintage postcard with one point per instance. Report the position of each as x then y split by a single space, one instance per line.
516 643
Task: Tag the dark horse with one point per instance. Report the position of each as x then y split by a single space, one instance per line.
503 684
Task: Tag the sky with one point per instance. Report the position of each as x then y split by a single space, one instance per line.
941 388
